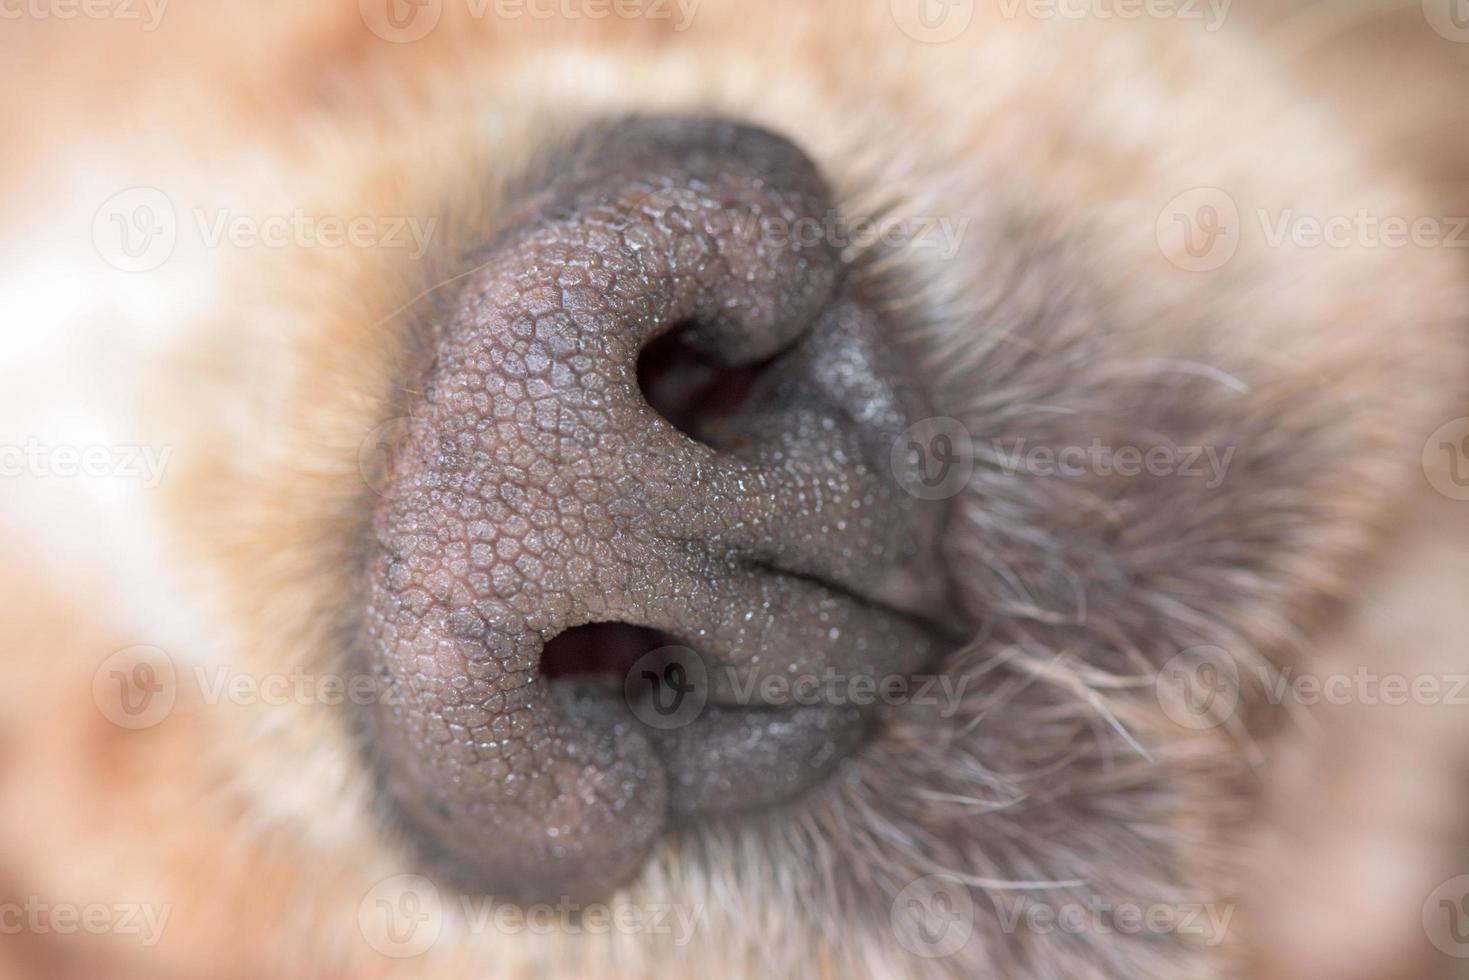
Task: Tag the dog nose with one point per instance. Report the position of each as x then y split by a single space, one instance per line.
539 490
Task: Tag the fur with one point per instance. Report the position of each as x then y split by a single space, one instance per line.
1055 144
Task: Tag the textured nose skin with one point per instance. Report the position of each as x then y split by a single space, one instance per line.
539 491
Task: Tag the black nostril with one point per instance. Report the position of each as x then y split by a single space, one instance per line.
693 392
599 651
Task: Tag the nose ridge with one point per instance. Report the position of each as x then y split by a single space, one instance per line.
540 491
